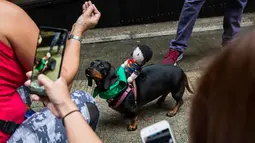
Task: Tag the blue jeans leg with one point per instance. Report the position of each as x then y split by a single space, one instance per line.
232 18
189 14
54 41
63 37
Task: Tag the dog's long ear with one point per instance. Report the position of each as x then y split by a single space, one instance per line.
89 81
111 78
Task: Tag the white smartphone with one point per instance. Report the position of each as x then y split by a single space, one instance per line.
159 132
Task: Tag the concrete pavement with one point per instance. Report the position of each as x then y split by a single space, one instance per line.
112 126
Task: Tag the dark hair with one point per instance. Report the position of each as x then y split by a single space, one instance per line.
223 108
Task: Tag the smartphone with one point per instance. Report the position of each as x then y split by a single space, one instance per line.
48 56
159 132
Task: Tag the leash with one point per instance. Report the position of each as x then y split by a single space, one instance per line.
124 95
135 91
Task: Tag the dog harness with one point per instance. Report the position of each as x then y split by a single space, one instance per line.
114 89
124 95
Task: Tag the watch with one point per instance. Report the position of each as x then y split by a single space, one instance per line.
74 37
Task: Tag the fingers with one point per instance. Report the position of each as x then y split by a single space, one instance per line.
29 74
89 3
92 14
96 11
89 10
84 11
28 83
35 97
45 81
85 6
44 100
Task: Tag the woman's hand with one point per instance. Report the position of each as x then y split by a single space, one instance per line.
58 100
71 60
88 20
60 104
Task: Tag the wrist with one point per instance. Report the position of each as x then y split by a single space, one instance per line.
78 29
66 107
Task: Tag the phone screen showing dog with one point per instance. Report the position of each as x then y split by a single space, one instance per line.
162 136
48 57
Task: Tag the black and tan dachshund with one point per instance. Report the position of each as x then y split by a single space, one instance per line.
154 81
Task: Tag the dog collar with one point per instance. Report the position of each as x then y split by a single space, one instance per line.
114 89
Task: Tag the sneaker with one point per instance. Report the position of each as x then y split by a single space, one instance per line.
172 57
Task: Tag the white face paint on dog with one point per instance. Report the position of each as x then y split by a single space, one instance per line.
138 55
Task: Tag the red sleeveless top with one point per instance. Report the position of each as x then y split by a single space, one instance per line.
12 76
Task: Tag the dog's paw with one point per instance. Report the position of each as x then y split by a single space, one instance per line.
132 128
171 114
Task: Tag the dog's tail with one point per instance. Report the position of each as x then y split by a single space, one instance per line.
187 84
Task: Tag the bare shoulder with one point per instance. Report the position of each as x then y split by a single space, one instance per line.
20 30
15 21
12 16
10 9
8 13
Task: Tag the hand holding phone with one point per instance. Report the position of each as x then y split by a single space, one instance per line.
158 133
48 57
